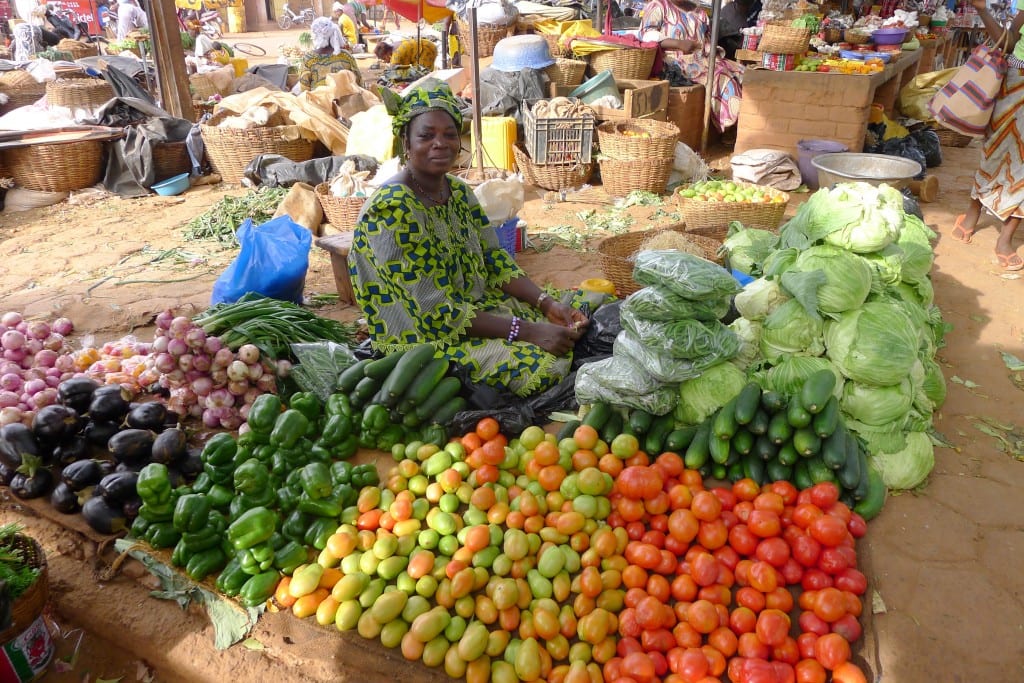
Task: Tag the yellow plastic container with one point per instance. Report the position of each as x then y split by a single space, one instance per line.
499 134
598 284
236 19
241 65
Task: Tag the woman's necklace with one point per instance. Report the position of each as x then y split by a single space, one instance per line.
439 199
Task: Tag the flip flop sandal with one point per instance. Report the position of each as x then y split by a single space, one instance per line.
1010 262
959 233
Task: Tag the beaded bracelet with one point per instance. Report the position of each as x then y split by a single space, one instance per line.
540 299
513 331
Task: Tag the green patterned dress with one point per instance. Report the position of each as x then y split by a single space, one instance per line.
420 274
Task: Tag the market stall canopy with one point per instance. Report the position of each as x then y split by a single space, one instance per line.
414 10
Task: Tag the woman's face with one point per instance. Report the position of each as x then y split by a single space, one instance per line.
432 143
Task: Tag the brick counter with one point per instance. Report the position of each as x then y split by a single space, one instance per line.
780 108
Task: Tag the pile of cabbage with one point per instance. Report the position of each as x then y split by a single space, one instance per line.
845 286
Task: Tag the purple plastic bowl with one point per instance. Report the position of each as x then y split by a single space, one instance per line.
889 36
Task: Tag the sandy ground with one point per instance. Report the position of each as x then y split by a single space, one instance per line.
943 562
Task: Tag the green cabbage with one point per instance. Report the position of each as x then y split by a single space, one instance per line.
660 303
790 329
702 396
934 384
875 344
908 467
877 406
914 230
848 277
749 334
759 298
917 261
689 276
888 438
886 267
749 247
789 375
856 216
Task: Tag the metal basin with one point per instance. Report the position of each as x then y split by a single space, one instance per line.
876 169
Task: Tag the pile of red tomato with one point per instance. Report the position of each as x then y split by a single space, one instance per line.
718 576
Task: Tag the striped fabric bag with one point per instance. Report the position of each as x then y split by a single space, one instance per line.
966 102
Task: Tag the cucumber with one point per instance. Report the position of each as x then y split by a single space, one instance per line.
640 421
849 473
678 440
801 477
724 426
759 425
819 471
734 472
697 453
776 471
425 381
870 505
719 449
364 391
382 367
817 389
405 406
788 455
350 376
861 491
773 401
661 427
796 415
833 449
806 442
447 412
753 468
779 429
720 472
743 442
764 448
410 420
747 403
612 427
405 371
598 415
445 391
826 421
568 428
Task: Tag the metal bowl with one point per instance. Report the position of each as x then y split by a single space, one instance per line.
516 53
842 167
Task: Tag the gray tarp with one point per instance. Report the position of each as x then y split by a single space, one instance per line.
274 170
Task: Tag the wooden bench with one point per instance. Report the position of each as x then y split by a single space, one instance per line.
338 246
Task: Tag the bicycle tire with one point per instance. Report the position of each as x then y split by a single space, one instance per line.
284 23
249 49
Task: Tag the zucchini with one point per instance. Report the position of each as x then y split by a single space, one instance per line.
640 421
775 470
747 403
425 381
806 442
819 471
719 449
447 389
764 448
697 453
759 425
861 491
788 455
724 426
382 367
849 473
753 468
350 376
826 421
568 429
654 442
773 401
734 472
364 391
817 389
833 449
401 377
743 442
447 412
870 505
612 427
797 416
405 406
678 440
779 429
801 476
598 415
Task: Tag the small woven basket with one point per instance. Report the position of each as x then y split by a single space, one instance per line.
554 47
21 89
29 605
619 177
78 93
230 149
701 214
637 139
856 37
618 254
951 138
170 159
567 73
782 39
624 63
341 212
554 177
487 36
833 35
77 49
56 167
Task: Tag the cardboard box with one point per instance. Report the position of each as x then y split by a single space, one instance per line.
456 78
686 110
640 100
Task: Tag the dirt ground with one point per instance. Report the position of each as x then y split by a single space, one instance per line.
943 562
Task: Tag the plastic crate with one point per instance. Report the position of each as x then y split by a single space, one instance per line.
559 141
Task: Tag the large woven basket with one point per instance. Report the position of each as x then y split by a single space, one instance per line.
487 36
780 38
29 605
636 139
702 214
854 37
56 167
77 48
341 212
618 254
951 138
624 63
78 93
566 73
20 88
554 47
230 149
554 177
170 159
619 177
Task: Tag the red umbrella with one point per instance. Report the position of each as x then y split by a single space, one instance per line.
414 10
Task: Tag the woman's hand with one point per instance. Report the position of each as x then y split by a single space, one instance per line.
979 5
557 340
686 46
565 315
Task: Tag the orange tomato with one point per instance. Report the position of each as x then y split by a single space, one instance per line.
487 428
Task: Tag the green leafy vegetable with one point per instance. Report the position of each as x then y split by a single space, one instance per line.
791 329
702 396
875 344
689 276
686 339
14 568
660 303
909 466
221 220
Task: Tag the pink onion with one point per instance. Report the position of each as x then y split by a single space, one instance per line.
65 362
202 386
220 398
65 376
46 397
213 345
195 338
38 329
7 366
22 327
32 346
238 388
238 371
16 355
163 319
11 319
160 344
219 377
12 340
251 394
11 382
248 354
255 371
46 358
184 395
180 326
185 362
147 377
232 421
9 415
267 383
34 386
62 326
284 368
8 399
211 417
177 347
164 362
244 428
175 377
201 362
55 342
33 373
52 380
223 357
195 410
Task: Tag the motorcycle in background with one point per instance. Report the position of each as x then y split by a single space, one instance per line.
289 18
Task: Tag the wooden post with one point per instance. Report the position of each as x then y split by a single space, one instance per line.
169 58
474 70
709 86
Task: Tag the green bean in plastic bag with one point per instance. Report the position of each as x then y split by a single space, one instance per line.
689 276
688 339
660 365
660 303
590 387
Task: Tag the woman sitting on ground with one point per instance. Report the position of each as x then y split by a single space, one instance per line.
426 265
326 57
408 52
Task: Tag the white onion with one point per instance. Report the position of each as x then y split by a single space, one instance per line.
148 377
39 330
219 376
62 326
201 362
184 394
248 353
8 399
220 398
54 342
185 362
12 340
195 410
232 421
11 382
223 357
244 428
11 319
267 383
284 368
163 319
195 338
255 371
213 345
177 347
202 386
251 394
211 417
180 326
164 362
9 415
238 371
175 377
238 388
160 344
46 358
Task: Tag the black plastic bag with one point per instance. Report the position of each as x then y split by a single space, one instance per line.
604 327
513 413
905 147
274 170
928 140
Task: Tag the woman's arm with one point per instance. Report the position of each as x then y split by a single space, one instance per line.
687 46
995 30
558 313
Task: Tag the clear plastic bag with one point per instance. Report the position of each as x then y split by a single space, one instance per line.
319 365
686 339
689 276
660 303
589 389
660 365
621 374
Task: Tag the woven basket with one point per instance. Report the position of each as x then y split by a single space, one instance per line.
567 73
56 167
170 159
202 87
782 39
78 93
618 254
554 177
951 138
487 35
29 605
619 177
833 35
230 150
21 89
700 214
77 48
554 47
715 232
625 63
341 212
637 139
856 37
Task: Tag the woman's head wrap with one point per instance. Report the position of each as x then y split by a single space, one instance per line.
321 30
432 95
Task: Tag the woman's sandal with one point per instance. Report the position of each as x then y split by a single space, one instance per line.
1010 263
961 234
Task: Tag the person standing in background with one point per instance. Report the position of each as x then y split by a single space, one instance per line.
346 24
129 18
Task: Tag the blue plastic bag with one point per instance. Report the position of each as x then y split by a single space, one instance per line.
272 261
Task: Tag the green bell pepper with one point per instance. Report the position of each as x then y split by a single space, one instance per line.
290 556
347 448
264 453
220 474
252 527
277 541
232 578
204 563
257 559
318 453
219 450
202 483
242 502
289 427
263 413
341 472
157 513
179 556
364 475
319 530
199 541
191 512
139 527
315 480
330 506
153 484
391 435
220 496
306 403
338 404
251 477
162 535
335 430
262 551
258 589
295 526
375 418
435 434
288 498
279 465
